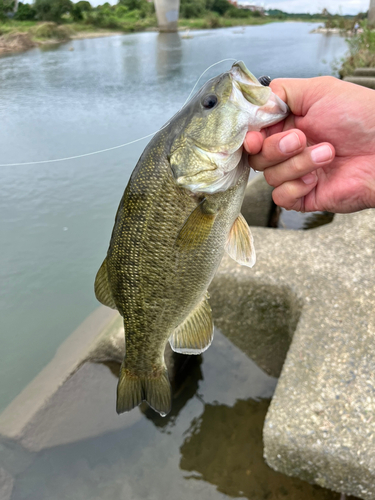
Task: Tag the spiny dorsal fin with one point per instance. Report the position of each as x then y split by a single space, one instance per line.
240 243
196 229
102 290
195 334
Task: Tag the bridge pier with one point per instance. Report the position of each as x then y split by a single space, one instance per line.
167 14
371 14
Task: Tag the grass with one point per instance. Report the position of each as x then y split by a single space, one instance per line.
212 21
361 52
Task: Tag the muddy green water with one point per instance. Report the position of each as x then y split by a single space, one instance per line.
56 221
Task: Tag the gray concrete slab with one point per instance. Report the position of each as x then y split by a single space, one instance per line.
320 425
25 408
370 72
258 207
6 484
364 81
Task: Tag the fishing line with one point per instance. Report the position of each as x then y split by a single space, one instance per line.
121 145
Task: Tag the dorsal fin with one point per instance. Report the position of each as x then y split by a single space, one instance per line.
240 243
102 289
195 334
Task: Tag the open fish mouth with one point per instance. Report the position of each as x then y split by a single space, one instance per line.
264 107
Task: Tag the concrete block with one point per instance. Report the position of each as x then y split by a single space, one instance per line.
369 72
320 425
6 485
258 206
365 81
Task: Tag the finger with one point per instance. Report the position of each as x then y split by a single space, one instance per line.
279 147
300 165
286 124
254 141
291 195
299 93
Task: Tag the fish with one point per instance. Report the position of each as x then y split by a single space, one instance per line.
179 213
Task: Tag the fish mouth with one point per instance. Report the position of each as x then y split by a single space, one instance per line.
240 73
264 107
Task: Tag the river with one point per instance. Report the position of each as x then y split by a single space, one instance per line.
85 96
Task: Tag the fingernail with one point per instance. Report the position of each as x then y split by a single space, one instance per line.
289 143
321 154
309 178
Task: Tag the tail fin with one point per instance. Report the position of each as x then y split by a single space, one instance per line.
132 390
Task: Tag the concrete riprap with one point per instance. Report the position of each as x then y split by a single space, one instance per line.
320 425
363 76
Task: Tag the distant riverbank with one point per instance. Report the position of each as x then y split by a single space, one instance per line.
17 36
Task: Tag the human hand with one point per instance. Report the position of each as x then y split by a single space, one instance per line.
322 157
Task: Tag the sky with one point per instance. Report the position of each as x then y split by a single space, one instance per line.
312 6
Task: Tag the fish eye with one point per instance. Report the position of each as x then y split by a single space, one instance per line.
209 101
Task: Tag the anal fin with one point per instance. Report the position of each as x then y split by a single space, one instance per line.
195 334
102 290
240 243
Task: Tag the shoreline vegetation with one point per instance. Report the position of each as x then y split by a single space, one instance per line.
57 21
361 52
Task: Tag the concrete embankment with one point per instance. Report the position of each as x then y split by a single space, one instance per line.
363 76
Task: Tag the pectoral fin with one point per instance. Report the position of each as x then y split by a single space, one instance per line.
240 244
196 229
195 334
102 290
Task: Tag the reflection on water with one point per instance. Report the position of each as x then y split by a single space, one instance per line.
224 447
289 219
184 387
210 447
168 54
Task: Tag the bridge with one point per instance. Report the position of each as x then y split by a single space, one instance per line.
167 14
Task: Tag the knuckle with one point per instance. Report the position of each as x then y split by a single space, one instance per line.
280 198
270 177
297 165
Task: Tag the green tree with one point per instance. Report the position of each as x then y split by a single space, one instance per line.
221 6
52 10
25 12
192 8
143 6
5 7
84 6
76 13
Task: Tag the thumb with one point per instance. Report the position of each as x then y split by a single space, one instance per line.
297 92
